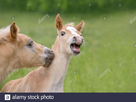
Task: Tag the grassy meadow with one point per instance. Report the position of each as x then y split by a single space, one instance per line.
107 62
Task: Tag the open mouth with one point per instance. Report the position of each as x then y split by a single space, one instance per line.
75 48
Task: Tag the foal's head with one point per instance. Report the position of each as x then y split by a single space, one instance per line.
18 50
70 37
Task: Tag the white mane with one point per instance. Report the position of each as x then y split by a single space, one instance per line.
4 32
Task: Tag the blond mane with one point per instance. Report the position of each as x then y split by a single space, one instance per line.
5 31
70 24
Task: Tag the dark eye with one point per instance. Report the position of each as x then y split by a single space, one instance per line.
62 33
80 35
30 43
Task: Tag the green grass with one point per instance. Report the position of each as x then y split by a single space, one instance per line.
108 46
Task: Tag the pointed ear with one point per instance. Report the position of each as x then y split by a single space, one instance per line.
13 30
58 22
80 26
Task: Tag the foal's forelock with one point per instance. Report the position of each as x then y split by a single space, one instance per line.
69 24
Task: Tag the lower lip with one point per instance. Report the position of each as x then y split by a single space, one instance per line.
74 51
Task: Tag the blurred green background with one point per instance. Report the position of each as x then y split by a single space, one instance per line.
107 62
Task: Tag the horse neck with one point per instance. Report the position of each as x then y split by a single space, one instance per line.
59 66
7 66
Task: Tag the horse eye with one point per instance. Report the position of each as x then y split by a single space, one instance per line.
62 33
31 43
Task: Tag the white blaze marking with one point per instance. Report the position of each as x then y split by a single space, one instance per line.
72 30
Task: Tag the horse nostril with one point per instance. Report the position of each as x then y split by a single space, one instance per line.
74 39
48 51
51 51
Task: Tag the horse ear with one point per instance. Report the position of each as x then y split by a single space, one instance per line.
13 30
58 22
80 26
